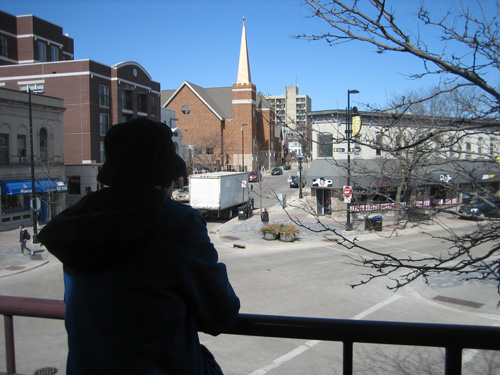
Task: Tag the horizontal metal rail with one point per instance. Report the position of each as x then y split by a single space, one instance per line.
453 337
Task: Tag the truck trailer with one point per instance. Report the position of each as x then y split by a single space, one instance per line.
218 194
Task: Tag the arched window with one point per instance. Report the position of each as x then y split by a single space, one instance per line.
44 145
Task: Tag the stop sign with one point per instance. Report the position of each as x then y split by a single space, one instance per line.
347 192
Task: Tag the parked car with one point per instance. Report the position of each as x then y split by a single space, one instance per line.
287 167
294 182
254 176
479 209
277 171
181 195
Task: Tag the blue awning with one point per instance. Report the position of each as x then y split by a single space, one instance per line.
15 187
54 185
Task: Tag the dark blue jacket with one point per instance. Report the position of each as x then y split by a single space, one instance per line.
142 278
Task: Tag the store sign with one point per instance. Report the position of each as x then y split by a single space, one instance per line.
322 182
445 178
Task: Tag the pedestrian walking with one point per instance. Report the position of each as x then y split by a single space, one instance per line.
141 275
24 236
264 216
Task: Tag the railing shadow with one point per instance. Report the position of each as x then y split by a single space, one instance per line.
452 337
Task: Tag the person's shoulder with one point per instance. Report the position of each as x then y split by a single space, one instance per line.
179 210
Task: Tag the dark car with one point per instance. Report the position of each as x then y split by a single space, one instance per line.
479 209
294 182
253 176
287 167
277 171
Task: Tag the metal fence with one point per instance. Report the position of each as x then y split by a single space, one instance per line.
454 338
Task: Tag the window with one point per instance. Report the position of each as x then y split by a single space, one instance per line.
127 99
492 146
210 150
468 149
142 103
102 154
12 203
42 51
44 145
3 47
103 123
54 53
74 185
378 144
153 106
325 145
186 110
21 148
480 145
104 96
4 148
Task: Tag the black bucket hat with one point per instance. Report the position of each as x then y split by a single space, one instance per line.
140 152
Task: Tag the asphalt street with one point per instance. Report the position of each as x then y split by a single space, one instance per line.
308 277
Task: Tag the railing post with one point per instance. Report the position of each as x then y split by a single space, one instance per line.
453 361
347 360
9 344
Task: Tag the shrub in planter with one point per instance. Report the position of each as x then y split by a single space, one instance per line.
287 232
270 231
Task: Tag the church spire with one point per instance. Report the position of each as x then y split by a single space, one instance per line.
244 65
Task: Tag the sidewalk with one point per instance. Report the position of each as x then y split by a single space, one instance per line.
244 233
11 260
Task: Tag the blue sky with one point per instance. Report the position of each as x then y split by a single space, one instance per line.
199 41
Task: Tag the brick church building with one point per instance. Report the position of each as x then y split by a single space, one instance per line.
229 128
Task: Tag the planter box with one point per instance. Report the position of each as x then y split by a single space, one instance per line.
270 236
285 237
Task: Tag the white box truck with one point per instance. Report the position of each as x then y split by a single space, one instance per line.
218 194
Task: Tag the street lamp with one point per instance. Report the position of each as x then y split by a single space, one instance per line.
242 149
348 225
33 193
300 176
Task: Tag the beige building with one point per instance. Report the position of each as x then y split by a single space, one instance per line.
291 110
16 158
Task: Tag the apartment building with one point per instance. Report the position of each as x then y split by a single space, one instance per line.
40 57
291 109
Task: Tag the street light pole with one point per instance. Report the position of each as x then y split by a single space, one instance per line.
242 149
348 225
33 193
300 176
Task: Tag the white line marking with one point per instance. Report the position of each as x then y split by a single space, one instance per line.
376 307
312 343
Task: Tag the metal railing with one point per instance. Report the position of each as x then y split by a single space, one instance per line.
454 338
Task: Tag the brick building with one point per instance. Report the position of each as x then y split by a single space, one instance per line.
231 128
95 95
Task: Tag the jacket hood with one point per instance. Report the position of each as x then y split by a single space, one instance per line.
104 227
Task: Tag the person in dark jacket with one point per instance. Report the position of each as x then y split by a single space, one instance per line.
141 275
24 236
264 216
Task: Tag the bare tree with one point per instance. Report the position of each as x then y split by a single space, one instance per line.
466 105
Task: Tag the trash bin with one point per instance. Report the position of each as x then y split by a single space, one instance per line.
377 223
249 209
243 212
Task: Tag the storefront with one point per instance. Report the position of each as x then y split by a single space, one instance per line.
375 183
16 200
